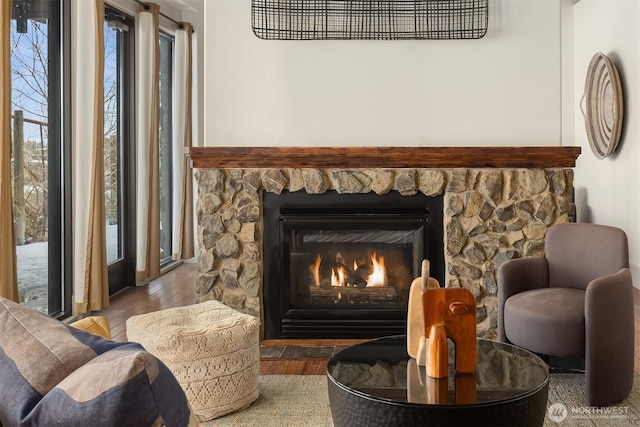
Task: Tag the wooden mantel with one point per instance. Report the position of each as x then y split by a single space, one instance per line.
383 157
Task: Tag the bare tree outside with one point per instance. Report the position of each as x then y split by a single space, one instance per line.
111 140
30 106
30 154
111 112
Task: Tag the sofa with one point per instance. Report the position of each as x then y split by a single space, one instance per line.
53 374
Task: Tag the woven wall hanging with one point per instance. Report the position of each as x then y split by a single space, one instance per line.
604 109
369 20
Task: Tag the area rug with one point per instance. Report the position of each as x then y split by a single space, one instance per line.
284 401
566 405
302 401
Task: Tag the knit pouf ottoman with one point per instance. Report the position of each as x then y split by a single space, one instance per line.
212 350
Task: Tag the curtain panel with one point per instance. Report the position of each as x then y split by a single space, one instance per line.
147 143
183 239
90 279
8 275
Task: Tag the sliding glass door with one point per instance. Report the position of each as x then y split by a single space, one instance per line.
119 150
38 63
41 150
166 142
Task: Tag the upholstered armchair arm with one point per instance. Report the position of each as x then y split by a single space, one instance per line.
519 275
609 330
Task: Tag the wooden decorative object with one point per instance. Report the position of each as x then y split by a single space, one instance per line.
466 388
415 314
424 389
435 314
416 383
604 106
453 312
438 352
437 390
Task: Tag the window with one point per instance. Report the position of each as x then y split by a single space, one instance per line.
38 151
41 149
166 141
119 149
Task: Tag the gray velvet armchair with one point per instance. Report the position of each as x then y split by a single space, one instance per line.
575 302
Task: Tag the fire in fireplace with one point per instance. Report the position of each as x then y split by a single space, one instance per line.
340 265
359 268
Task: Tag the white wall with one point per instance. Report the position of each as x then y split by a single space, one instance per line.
519 85
608 191
504 89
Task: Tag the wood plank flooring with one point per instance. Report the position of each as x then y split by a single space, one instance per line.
173 289
176 288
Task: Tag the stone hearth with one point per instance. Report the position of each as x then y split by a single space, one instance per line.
490 215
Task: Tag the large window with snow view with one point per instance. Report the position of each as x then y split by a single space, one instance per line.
38 146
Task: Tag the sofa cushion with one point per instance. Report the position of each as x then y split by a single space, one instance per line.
54 374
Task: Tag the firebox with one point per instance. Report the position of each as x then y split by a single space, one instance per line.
340 265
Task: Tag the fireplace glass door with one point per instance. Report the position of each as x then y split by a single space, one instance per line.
359 262
340 266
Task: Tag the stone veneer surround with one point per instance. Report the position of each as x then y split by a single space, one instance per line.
490 215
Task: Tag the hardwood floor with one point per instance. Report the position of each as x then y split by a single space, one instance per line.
173 289
176 288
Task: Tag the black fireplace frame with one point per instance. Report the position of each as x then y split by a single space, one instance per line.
283 321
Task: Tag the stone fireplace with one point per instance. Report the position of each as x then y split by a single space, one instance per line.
495 209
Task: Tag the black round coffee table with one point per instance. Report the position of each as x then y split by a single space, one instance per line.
376 383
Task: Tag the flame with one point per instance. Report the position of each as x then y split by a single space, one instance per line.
339 296
379 275
338 277
315 269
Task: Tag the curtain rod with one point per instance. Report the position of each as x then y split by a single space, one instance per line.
146 6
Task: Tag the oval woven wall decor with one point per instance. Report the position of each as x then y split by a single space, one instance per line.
604 106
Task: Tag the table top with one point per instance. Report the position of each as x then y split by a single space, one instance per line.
381 369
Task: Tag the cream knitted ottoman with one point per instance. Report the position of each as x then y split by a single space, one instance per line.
212 350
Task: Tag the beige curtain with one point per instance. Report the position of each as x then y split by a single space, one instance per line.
8 275
183 241
147 144
90 279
